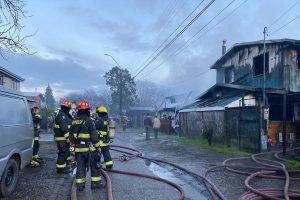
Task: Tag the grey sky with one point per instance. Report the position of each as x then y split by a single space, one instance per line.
74 35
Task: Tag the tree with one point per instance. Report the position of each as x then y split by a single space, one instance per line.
50 101
91 96
122 87
12 12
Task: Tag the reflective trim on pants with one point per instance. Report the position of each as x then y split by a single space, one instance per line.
109 163
61 166
96 178
80 180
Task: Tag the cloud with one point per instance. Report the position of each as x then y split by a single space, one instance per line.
63 75
74 35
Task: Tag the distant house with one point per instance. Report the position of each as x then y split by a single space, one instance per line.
136 115
172 104
233 106
9 79
34 98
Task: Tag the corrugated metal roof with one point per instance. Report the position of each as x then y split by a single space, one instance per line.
224 102
31 94
215 108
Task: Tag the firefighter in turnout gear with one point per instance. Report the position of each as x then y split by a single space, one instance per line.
83 136
62 124
36 118
102 128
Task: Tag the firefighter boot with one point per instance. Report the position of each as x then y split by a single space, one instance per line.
33 163
80 188
64 171
98 185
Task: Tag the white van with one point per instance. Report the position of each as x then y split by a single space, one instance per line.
16 138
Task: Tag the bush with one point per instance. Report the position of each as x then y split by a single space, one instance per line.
208 134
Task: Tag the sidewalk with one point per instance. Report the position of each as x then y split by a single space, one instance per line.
129 187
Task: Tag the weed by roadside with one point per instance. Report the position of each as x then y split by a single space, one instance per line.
219 148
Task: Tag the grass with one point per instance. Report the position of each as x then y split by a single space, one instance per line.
293 162
203 144
220 148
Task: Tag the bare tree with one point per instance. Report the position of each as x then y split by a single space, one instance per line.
148 94
11 15
95 99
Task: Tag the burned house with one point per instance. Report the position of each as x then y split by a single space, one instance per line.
235 101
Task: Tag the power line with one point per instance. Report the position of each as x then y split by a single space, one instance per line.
165 12
187 43
284 13
170 15
177 36
280 28
170 35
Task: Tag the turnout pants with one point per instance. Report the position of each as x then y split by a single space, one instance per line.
155 132
147 129
85 160
107 157
62 154
36 144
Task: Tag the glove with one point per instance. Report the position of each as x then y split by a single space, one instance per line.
98 149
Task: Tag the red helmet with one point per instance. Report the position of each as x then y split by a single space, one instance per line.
83 105
67 103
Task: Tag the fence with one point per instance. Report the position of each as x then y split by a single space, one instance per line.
233 126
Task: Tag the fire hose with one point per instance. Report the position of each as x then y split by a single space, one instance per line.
270 169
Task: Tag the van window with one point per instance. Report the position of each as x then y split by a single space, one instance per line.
13 111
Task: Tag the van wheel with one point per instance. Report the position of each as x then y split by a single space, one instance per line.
9 178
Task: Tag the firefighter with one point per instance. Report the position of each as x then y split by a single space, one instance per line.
84 137
102 129
62 123
36 118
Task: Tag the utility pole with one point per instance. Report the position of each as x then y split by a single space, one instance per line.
264 66
121 91
263 124
284 125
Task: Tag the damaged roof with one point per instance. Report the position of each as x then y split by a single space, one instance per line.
238 46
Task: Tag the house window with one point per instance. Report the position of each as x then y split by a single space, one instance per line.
229 74
258 64
14 84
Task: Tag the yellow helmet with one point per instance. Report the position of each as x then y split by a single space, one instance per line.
102 109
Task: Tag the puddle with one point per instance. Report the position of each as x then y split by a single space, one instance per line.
46 137
191 187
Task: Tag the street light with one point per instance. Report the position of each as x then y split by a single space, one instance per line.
113 59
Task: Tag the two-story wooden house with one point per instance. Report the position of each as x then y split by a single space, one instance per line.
236 97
